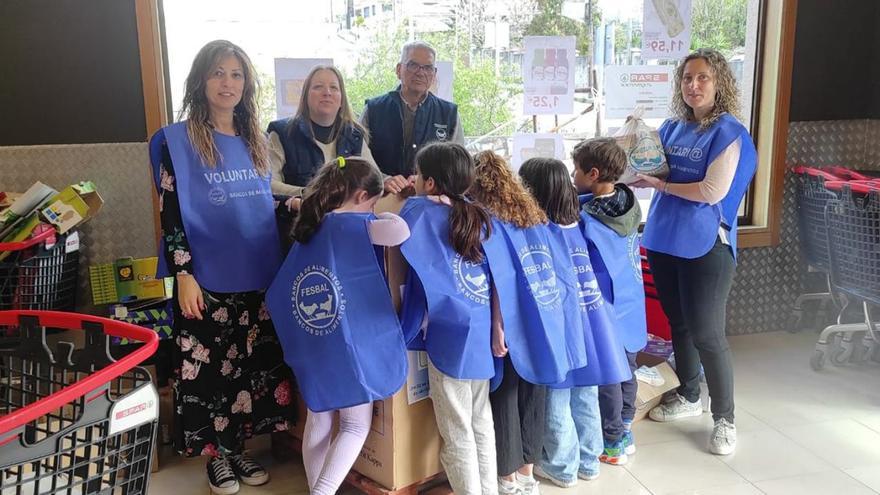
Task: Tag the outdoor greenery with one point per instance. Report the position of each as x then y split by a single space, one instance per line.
719 24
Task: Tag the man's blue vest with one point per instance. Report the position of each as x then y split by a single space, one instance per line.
434 121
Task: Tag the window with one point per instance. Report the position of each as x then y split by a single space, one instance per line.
485 84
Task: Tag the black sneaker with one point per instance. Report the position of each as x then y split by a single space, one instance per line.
221 478
248 470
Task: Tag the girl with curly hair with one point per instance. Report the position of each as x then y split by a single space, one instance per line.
542 338
690 234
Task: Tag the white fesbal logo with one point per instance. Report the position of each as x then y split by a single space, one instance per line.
540 275
696 154
589 295
217 196
635 259
318 300
472 279
441 132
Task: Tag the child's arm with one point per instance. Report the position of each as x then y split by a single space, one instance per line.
499 348
388 229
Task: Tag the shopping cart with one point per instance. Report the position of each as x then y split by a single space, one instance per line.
40 273
811 199
74 420
853 223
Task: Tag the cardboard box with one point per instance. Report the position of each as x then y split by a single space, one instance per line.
72 206
128 279
649 396
403 446
156 315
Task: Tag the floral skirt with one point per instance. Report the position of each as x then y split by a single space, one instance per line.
231 381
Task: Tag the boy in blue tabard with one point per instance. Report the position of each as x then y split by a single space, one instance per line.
611 224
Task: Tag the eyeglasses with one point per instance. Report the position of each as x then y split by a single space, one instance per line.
415 68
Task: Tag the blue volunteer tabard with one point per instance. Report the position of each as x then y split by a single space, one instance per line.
688 229
618 267
456 292
538 292
606 359
227 211
334 317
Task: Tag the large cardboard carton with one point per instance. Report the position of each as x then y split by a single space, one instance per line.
403 446
648 396
72 206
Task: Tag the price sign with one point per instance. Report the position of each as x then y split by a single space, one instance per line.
666 32
548 75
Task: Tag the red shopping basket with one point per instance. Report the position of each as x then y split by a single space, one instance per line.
38 273
74 420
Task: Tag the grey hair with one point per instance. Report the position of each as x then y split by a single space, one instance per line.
412 45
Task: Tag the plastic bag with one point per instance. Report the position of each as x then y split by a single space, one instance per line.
644 151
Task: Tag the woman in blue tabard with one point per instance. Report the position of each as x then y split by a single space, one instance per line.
690 234
573 429
331 305
450 309
220 242
543 334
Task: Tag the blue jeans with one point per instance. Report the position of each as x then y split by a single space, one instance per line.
572 433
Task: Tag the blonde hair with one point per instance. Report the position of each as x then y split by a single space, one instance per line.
501 192
246 114
344 116
726 92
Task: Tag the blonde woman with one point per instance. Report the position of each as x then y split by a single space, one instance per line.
220 242
690 235
322 129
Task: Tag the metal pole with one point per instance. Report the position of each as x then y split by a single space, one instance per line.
588 20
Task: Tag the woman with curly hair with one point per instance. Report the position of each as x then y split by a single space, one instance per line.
690 235
542 338
220 242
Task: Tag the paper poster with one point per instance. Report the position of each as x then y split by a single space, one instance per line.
442 86
628 86
548 75
666 29
417 376
290 74
527 146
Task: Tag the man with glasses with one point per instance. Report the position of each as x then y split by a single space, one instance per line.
405 119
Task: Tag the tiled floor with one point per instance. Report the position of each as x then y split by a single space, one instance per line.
800 433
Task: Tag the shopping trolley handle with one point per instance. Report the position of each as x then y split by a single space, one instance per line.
18 246
97 378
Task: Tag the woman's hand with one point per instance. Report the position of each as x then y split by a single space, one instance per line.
395 184
294 203
499 348
189 296
647 181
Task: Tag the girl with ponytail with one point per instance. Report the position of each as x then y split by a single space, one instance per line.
451 311
334 315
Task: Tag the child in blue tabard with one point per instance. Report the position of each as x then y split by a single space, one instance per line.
335 319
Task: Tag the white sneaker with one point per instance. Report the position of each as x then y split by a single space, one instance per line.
587 476
723 440
562 484
528 484
674 408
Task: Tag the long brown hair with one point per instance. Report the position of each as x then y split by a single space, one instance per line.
503 194
550 184
452 169
330 188
246 116
344 116
726 93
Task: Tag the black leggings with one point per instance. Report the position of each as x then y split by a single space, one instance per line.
693 293
518 410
